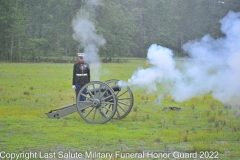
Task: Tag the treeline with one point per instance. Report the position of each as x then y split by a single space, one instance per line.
41 30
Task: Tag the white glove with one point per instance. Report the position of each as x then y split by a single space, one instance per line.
73 86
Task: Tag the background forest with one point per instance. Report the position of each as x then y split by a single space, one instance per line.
39 30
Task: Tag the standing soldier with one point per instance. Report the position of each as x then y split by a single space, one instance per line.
81 75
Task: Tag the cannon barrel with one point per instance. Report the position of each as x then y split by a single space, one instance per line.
115 88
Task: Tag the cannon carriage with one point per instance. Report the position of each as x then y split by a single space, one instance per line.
103 101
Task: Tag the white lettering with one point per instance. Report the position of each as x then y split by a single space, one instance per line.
1 156
47 155
128 155
158 155
184 155
16 156
117 154
70 155
98 155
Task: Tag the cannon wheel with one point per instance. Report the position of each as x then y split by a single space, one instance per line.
94 108
124 99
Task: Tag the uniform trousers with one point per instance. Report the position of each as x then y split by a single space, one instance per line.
78 88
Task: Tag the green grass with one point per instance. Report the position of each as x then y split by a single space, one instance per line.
29 90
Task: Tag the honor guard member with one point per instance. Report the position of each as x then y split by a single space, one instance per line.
81 75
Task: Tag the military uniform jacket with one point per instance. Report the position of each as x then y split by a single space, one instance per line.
81 73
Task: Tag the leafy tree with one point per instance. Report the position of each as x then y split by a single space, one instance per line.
35 30
6 26
116 27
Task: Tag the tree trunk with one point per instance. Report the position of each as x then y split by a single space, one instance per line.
12 42
12 32
140 54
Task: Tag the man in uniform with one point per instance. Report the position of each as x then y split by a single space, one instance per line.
81 75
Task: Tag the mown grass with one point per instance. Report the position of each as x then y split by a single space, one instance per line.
28 91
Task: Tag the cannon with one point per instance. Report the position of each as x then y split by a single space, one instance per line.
103 101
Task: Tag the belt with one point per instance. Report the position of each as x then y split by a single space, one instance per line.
81 74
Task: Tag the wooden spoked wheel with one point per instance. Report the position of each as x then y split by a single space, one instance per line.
124 97
96 102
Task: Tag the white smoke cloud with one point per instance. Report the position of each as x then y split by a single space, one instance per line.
85 33
163 69
214 66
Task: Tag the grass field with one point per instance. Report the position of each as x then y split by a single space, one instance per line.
29 90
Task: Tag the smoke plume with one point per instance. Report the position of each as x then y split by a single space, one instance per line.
214 67
85 34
